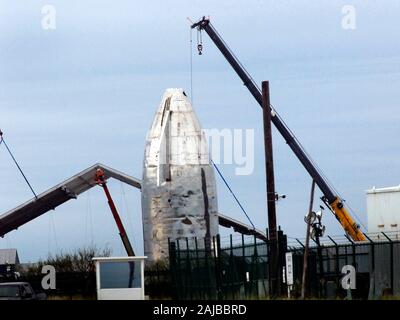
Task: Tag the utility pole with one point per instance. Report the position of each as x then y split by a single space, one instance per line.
305 258
271 195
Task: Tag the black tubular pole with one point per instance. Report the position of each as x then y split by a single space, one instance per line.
270 186
306 249
269 163
391 262
280 126
336 261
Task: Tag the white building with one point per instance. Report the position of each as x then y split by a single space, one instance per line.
383 210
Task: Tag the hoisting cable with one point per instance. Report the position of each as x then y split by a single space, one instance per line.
233 194
191 58
191 65
16 163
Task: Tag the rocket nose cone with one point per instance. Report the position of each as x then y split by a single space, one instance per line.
176 133
175 99
175 91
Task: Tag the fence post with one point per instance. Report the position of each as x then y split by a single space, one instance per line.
217 255
188 271
257 275
308 232
179 269
321 278
336 263
349 292
391 263
206 264
232 272
244 267
199 283
173 272
282 248
353 248
268 261
372 269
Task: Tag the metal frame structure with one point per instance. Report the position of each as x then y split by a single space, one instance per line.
59 194
79 183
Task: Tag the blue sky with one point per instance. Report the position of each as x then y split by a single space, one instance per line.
87 92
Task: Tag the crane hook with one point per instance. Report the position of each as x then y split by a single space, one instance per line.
199 42
200 49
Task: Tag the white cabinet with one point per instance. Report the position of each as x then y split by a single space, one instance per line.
120 278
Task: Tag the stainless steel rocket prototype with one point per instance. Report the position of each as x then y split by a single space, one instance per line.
179 197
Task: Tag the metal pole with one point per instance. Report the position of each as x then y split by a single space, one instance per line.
321 278
100 179
270 183
269 163
336 262
372 269
244 266
121 229
391 262
305 259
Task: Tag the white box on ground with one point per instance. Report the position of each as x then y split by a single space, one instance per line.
120 278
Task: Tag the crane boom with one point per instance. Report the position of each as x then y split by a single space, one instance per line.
101 181
334 201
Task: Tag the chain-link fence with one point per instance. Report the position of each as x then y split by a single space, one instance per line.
241 270
212 271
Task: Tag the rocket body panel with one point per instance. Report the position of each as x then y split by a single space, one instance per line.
178 188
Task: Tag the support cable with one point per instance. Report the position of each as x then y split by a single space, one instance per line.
233 194
16 163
